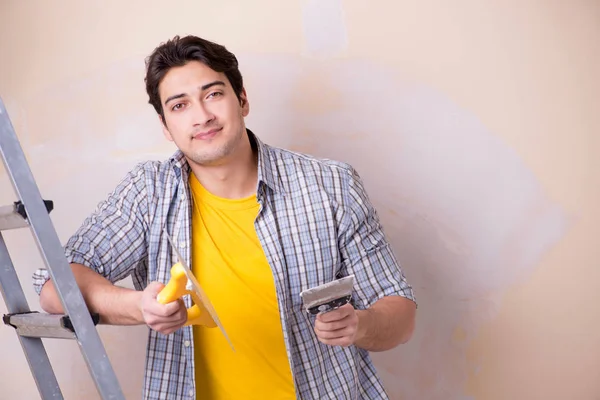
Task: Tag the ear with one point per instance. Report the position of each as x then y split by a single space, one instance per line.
165 129
244 103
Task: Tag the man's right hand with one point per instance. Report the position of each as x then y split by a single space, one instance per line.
163 318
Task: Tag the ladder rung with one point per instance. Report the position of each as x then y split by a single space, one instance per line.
42 325
14 216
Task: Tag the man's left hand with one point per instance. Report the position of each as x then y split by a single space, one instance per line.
338 327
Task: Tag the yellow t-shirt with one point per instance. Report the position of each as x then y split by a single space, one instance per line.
229 263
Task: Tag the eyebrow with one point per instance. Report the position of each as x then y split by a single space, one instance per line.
202 88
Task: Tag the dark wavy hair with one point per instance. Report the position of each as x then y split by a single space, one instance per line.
179 51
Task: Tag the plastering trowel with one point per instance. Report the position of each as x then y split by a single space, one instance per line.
182 283
329 296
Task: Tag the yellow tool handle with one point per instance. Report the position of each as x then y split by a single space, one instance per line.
175 289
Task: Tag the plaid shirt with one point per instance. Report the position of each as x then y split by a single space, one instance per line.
315 224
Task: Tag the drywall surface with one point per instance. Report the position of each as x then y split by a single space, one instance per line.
474 125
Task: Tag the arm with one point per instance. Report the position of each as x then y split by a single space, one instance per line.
388 323
383 315
109 245
117 305
385 325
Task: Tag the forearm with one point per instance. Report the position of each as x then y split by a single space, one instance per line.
388 323
115 305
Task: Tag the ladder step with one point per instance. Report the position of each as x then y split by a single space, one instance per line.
14 216
42 325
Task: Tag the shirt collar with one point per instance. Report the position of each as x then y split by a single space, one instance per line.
268 173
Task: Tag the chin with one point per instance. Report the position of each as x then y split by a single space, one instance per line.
207 158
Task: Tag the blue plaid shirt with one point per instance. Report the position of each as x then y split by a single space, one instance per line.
315 224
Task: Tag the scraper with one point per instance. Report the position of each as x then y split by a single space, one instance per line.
329 296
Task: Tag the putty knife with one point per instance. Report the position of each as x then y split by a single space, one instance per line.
329 296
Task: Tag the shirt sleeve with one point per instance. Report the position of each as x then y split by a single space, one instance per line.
112 240
365 250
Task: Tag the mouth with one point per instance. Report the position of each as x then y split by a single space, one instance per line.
208 134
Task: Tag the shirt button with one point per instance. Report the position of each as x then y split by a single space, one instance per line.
191 393
186 343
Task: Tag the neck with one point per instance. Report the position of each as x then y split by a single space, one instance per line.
234 179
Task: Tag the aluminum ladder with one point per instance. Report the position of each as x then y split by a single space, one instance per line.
77 323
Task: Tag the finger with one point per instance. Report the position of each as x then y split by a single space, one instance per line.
155 321
162 311
173 325
172 308
167 325
338 333
331 316
183 312
153 307
337 314
333 326
168 329
154 288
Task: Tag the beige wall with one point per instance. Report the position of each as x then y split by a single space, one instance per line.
484 116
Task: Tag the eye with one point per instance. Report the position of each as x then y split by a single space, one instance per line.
177 106
215 94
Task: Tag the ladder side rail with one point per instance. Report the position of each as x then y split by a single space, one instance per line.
60 271
34 350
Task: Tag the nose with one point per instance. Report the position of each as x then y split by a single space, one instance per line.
202 115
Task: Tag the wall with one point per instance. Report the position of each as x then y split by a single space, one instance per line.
474 124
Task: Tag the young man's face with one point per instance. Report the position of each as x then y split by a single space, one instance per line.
202 114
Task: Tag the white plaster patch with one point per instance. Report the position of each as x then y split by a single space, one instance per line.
466 217
324 27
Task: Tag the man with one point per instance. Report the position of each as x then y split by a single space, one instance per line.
258 225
